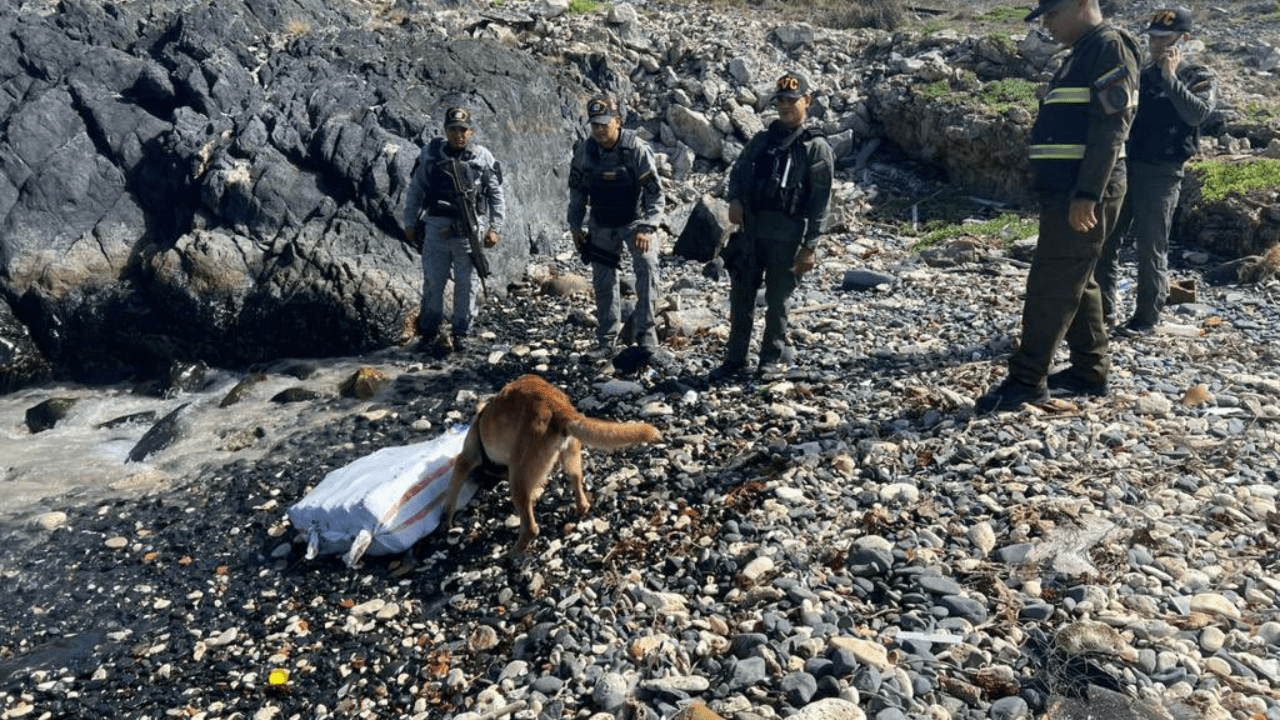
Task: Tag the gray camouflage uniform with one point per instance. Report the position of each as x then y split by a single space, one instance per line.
445 250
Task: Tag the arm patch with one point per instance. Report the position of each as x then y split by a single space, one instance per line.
1115 98
1115 75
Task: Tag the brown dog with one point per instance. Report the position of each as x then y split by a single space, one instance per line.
529 427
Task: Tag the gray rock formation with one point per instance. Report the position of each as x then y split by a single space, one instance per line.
223 181
226 182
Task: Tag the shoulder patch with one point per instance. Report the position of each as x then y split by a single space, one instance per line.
1111 77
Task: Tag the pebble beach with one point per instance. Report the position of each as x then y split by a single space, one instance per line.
841 539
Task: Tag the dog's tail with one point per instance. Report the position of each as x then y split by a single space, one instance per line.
608 435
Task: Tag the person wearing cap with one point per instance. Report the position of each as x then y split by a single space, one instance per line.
1076 146
434 213
1175 96
616 201
779 191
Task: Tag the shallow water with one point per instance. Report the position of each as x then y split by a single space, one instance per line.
79 461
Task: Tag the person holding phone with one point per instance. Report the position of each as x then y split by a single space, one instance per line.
1175 97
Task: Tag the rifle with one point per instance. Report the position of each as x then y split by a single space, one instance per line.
466 198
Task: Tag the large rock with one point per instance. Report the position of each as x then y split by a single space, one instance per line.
1240 224
707 225
21 363
982 151
226 182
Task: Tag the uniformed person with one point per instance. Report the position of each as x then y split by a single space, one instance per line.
1175 96
1075 152
616 201
434 212
779 191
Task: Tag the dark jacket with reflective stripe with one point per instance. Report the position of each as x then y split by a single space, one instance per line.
1167 127
1084 117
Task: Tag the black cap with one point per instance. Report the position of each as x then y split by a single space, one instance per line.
1044 7
457 117
602 109
792 84
1170 21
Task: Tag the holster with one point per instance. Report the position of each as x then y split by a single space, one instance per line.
740 258
593 253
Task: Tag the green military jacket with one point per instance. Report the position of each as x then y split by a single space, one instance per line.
1079 135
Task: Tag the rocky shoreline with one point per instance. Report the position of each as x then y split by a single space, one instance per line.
228 177
843 540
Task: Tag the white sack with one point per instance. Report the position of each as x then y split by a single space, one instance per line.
379 503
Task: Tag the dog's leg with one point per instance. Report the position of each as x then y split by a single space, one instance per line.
571 462
528 479
466 461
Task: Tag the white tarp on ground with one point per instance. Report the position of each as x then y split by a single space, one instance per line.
382 502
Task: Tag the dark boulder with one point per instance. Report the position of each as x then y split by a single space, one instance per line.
160 436
45 415
707 225
21 363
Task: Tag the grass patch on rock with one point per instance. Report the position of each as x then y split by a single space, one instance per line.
1004 15
1219 179
1004 230
999 96
951 214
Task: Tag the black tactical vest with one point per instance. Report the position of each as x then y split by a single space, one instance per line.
613 186
1158 133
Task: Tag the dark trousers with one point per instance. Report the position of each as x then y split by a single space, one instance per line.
1062 299
1148 211
604 282
775 260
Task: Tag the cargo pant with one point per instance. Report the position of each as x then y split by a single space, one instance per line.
445 254
604 283
772 261
1147 212
1062 297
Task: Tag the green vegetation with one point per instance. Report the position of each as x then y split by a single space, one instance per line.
1219 179
1004 15
1002 95
1257 112
1004 38
583 6
934 91
1007 229
951 213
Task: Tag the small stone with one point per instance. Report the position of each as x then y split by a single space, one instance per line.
983 538
830 709
1153 405
116 543
483 638
758 567
1212 639
866 651
368 608
1215 604
51 521
1010 708
610 692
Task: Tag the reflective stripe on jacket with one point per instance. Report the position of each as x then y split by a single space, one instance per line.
1085 115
